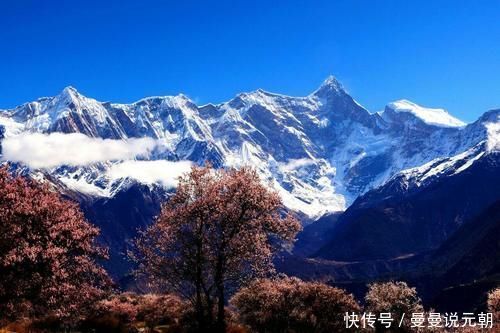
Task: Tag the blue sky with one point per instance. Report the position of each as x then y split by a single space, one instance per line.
435 53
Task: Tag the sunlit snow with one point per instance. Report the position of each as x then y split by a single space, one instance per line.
320 152
438 117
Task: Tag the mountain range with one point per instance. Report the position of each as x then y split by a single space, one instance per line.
374 187
320 152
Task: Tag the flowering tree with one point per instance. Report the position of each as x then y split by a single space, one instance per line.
47 253
292 305
494 303
395 297
219 229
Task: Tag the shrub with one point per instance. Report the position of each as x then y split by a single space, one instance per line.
157 310
494 303
394 297
123 312
291 305
124 307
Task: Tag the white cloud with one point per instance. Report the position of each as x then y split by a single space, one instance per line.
50 150
296 164
150 172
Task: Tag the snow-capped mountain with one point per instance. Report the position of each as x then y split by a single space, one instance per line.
417 210
438 117
320 152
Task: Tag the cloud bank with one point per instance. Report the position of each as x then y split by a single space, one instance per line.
50 150
150 172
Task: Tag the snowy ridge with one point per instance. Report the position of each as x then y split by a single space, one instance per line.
442 167
452 165
320 152
436 117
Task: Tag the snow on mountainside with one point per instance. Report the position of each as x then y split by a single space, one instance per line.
437 117
454 164
320 152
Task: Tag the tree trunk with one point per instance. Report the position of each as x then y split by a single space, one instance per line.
221 319
219 283
201 316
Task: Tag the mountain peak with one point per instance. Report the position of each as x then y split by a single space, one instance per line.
330 84
331 81
69 90
69 93
430 116
491 116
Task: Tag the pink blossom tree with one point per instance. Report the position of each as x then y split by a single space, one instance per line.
47 253
220 229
